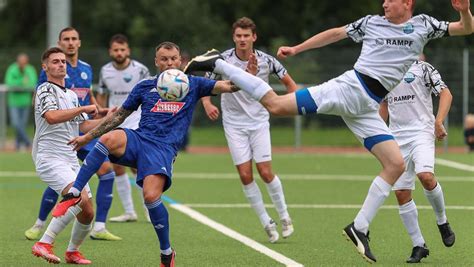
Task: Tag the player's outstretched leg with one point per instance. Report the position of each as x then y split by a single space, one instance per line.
361 241
204 62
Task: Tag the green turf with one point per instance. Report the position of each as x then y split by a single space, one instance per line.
285 136
317 240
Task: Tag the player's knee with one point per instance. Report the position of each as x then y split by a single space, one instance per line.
150 196
106 139
428 180
403 196
267 175
398 166
87 214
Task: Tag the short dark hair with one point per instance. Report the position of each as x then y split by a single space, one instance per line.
118 38
168 46
244 23
49 51
68 29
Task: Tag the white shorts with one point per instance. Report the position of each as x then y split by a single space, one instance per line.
419 156
245 144
59 174
346 97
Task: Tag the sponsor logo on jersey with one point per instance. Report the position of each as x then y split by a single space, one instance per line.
168 107
408 28
153 90
394 42
403 98
409 77
127 77
81 92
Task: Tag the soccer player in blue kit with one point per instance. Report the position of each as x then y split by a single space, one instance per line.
79 80
163 125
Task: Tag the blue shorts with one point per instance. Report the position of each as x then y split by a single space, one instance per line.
82 153
148 156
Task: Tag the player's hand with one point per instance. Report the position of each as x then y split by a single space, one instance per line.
460 5
211 111
91 110
79 141
285 51
440 131
252 65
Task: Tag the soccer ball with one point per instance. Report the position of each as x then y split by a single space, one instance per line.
173 85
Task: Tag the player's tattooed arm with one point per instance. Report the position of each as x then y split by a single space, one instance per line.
111 122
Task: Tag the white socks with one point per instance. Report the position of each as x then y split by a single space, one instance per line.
378 192
124 191
436 199
99 226
58 224
253 194
275 190
39 223
409 216
249 83
79 233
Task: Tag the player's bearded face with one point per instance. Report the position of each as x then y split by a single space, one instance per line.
119 52
167 59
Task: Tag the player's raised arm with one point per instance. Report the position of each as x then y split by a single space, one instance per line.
319 40
465 25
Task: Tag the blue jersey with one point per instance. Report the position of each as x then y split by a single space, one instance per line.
165 121
78 79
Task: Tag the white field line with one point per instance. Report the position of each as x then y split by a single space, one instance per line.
288 176
317 206
235 235
455 165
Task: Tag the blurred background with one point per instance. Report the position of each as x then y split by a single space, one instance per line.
197 26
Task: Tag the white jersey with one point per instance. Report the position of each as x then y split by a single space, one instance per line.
388 50
410 105
51 140
239 109
119 83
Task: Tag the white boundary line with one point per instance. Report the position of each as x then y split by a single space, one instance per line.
455 165
235 235
288 176
316 206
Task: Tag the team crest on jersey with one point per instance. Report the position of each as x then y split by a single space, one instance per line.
168 107
409 77
408 28
84 75
127 77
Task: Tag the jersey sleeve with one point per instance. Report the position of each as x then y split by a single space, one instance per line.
356 30
42 78
432 79
144 73
47 99
134 99
276 67
435 28
204 85
102 85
